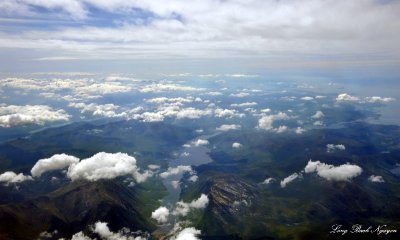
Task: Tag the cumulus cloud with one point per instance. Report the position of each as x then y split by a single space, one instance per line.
183 208
103 110
343 172
12 177
102 229
153 167
201 142
333 147
160 214
176 170
245 104
227 113
55 162
376 179
300 130
318 115
270 180
14 115
236 145
214 93
290 179
265 110
240 95
376 99
266 122
227 127
149 117
187 234
307 98
179 100
193 113
193 178
344 97
167 87
106 166
281 129
318 123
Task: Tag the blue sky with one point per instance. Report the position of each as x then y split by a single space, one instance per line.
350 38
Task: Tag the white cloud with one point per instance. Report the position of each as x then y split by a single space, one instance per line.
175 171
300 130
47 235
55 162
102 229
227 113
261 28
318 115
245 104
377 179
227 127
149 117
193 178
199 130
192 113
344 97
104 110
290 179
214 93
160 214
269 181
13 115
200 142
185 154
182 208
307 98
12 177
241 75
236 145
153 167
266 122
376 99
106 166
167 87
318 123
343 172
175 184
187 234
80 236
333 147
240 95
117 77
170 100
281 129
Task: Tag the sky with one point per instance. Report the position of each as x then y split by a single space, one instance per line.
354 38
